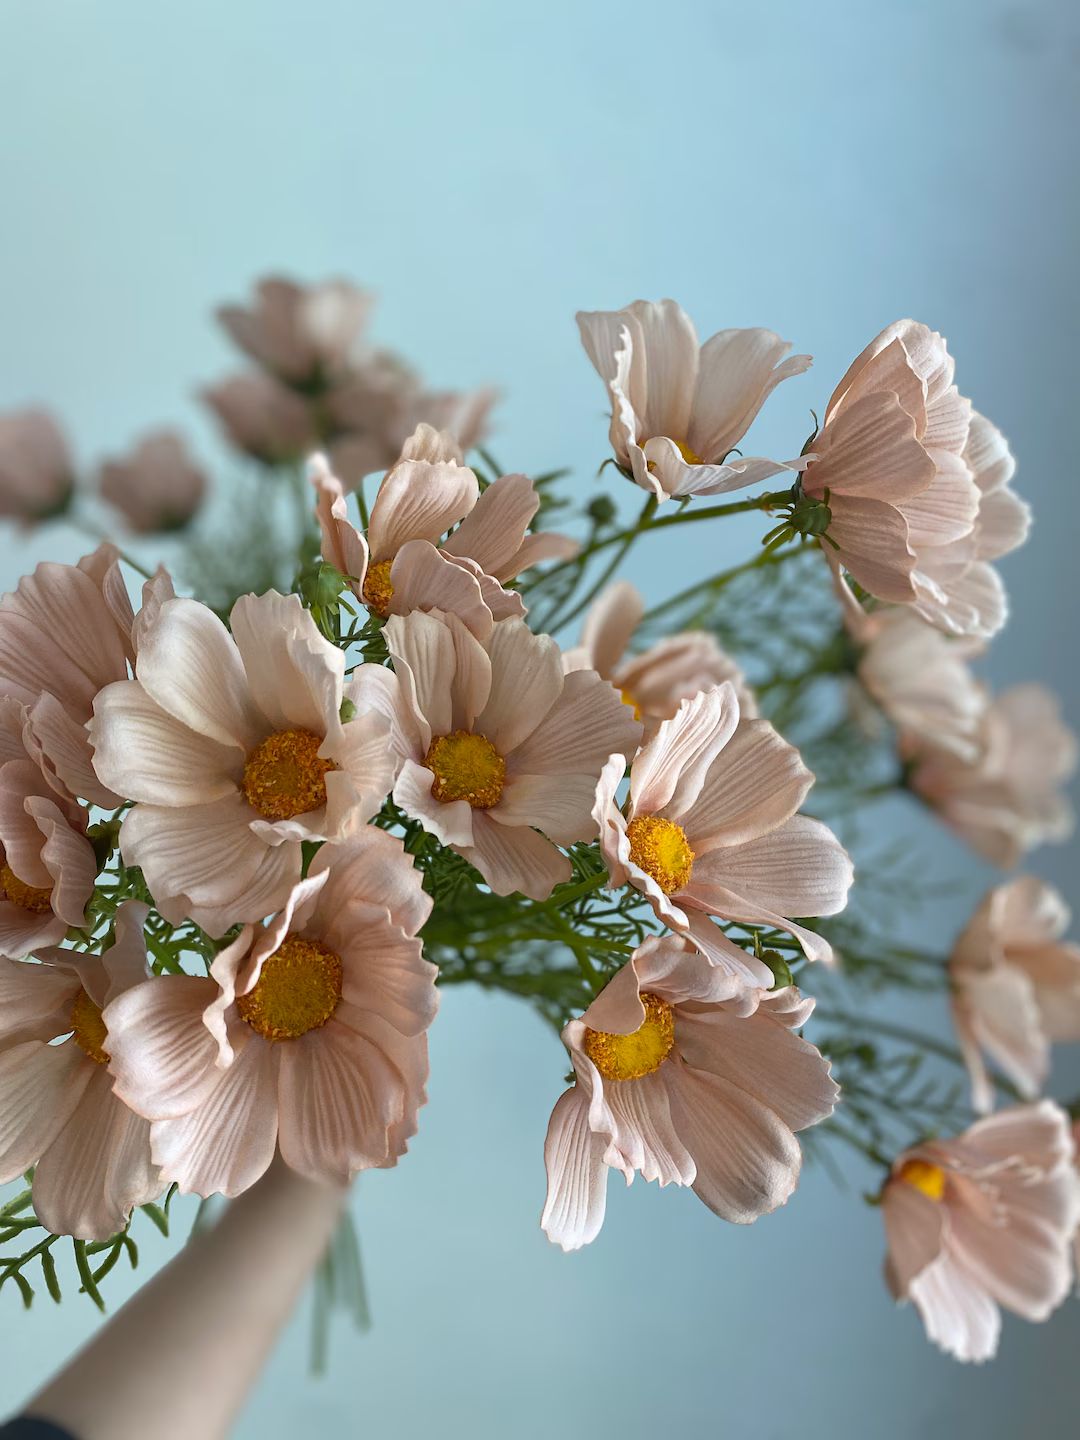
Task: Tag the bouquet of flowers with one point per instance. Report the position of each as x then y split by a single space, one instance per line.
253 819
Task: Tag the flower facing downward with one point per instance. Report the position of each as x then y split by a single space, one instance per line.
36 479
1016 986
58 1112
689 1076
300 333
308 1037
234 750
494 743
710 828
158 487
678 409
983 1221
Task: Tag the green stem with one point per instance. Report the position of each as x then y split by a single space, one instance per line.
718 582
911 1037
557 622
91 531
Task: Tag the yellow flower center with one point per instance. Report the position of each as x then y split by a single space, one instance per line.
661 849
628 1057
286 775
628 699
88 1028
928 1178
378 587
26 897
690 456
298 990
466 767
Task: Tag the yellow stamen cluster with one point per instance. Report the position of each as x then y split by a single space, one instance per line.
286 775
466 767
27 897
690 456
661 849
628 699
378 587
925 1177
298 990
628 1057
88 1028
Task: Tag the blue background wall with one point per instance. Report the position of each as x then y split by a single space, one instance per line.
821 169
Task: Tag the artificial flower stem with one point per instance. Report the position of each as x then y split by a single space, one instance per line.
719 581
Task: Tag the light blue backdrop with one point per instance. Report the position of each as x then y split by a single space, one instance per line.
821 169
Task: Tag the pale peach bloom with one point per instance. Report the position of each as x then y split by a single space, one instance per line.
304 334
308 1036
678 409
1009 798
36 471
263 418
158 487
690 1077
656 681
58 1113
984 1221
1015 986
494 744
710 828
66 631
233 748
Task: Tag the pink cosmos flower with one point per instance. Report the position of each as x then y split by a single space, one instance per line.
158 487
655 682
1008 799
1015 986
709 828
263 418
983 1221
58 1113
36 472
690 1077
494 744
233 747
300 333
678 409
308 1036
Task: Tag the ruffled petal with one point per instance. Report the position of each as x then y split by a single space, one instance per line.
755 783
40 1086
512 858
294 674
576 1175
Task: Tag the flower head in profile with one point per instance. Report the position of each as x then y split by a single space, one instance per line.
494 744
710 828
36 471
308 1037
679 409
158 487
234 749
58 1113
656 681
690 1077
1008 798
984 1223
263 418
1015 986
303 334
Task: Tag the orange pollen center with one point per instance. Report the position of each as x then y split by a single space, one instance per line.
628 1057
466 767
628 699
378 587
88 1028
27 897
285 775
925 1177
298 990
661 849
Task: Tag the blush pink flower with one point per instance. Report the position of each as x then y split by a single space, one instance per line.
984 1221
300 333
1015 986
494 744
309 1036
1008 799
678 409
233 747
58 1113
690 1077
158 487
710 828
655 682
36 471
263 418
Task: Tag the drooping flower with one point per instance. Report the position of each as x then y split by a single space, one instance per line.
690 1077
263 418
494 743
301 333
710 828
58 1113
655 682
1015 986
309 1036
984 1221
1008 798
36 472
158 487
235 752
678 409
